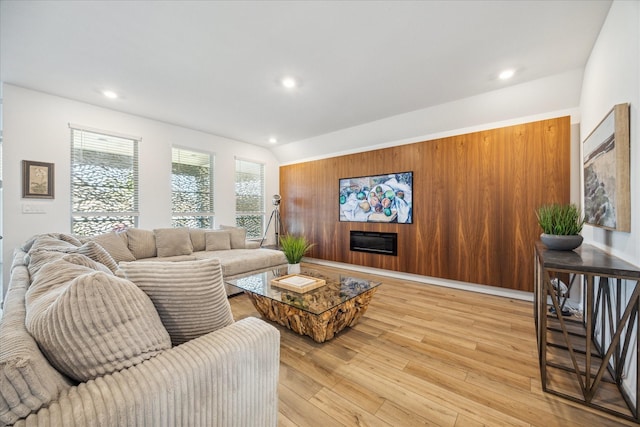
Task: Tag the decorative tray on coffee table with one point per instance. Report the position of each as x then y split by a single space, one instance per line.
298 283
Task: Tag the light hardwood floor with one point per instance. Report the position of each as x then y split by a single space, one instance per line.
423 355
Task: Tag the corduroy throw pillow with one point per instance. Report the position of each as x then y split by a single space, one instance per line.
92 324
189 295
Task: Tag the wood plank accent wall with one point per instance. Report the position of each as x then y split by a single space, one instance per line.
474 201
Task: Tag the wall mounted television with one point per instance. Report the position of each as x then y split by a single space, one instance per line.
377 198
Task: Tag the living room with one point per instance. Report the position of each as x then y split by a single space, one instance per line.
36 126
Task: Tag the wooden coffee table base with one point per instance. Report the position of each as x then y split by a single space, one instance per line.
320 327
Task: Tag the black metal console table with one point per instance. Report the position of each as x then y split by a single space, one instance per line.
583 358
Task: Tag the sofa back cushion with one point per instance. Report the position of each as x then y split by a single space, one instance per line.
189 295
142 243
173 241
27 381
197 238
89 323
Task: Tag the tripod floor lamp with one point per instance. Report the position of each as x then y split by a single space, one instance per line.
277 222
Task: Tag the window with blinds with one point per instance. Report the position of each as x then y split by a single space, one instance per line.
192 188
104 182
250 197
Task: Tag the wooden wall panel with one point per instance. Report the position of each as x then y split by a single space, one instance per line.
474 200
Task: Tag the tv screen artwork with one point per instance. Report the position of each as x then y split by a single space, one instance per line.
379 198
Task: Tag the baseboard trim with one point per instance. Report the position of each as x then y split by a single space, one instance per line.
428 280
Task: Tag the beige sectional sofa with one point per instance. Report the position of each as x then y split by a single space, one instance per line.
236 254
91 337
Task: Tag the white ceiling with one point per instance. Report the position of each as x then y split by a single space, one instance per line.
216 66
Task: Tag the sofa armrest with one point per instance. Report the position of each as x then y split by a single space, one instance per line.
226 378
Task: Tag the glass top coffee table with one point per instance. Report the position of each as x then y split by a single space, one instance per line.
319 313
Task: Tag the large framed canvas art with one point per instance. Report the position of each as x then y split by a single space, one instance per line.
607 194
379 198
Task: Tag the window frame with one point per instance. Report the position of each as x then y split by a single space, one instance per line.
210 214
259 213
108 137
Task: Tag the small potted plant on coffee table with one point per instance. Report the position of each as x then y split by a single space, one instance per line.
294 248
561 225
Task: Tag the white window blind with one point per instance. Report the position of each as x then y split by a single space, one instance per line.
104 182
250 197
192 188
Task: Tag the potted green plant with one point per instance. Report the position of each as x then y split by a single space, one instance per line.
561 226
294 248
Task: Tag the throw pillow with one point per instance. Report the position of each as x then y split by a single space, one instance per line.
94 324
173 241
142 243
190 296
238 236
96 253
198 239
116 245
218 240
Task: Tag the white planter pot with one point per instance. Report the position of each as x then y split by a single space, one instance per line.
293 268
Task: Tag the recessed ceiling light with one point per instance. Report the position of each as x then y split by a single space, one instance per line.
110 94
506 74
273 140
289 82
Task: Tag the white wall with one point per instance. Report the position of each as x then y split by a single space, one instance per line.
36 127
612 76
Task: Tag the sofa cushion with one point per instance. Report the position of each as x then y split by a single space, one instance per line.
50 241
85 261
41 256
142 243
27 381
36 259
237 261
116 245
218 240
176 258
197 238
89 323
238 236
189 296
173 241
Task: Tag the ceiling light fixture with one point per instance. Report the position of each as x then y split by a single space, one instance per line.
273 140
506 74
289 82
110 94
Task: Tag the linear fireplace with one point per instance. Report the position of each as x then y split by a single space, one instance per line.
377 243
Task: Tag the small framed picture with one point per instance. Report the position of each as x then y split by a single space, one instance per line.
37 180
